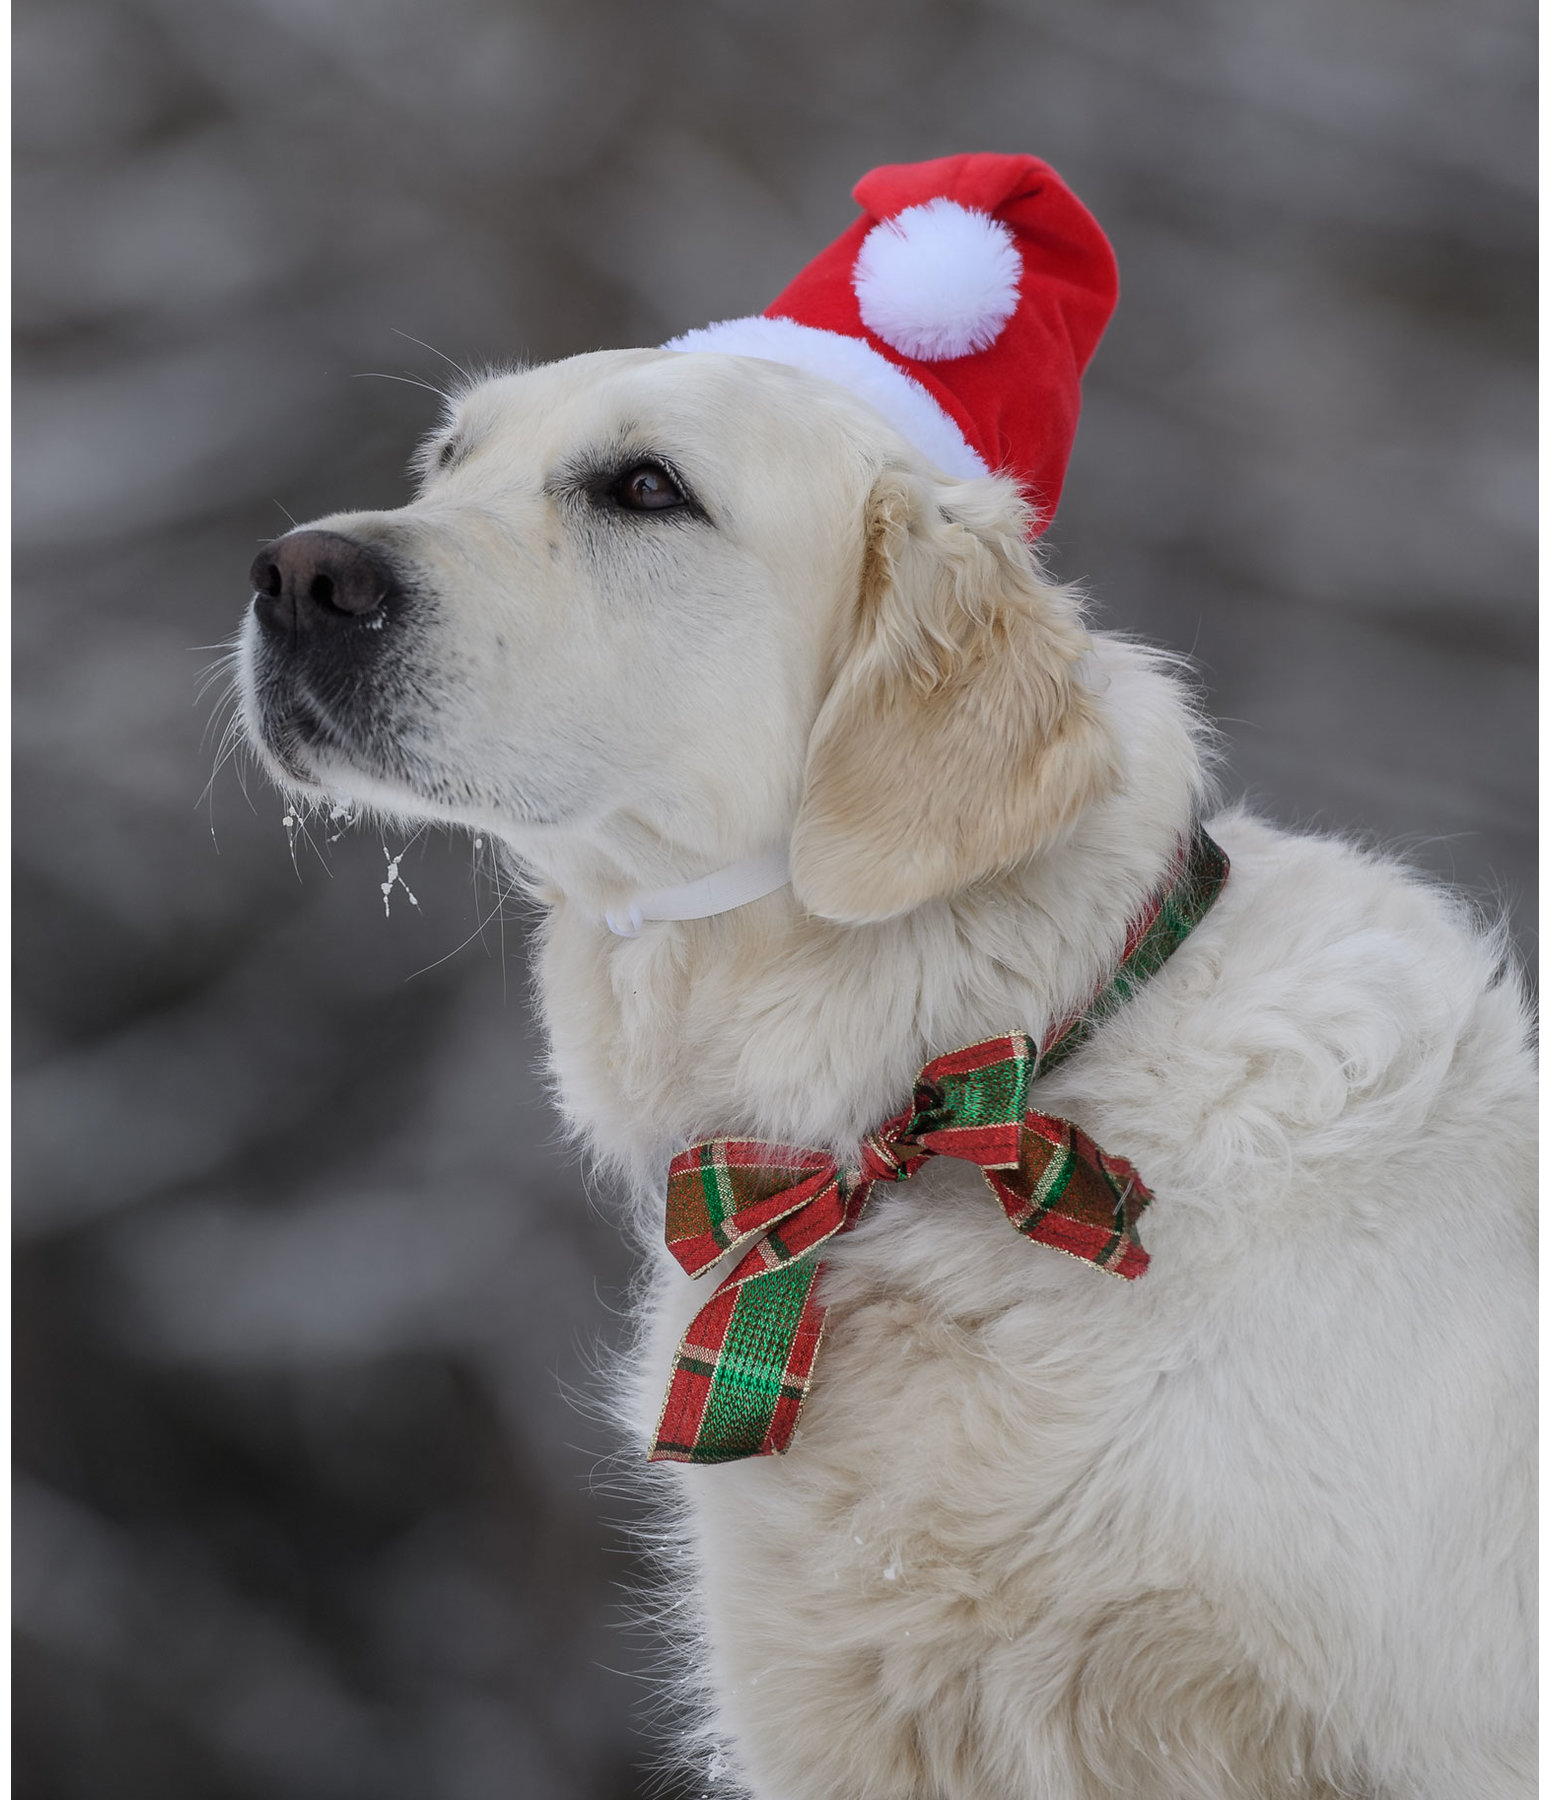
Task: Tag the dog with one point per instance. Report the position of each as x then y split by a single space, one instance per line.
1259 1524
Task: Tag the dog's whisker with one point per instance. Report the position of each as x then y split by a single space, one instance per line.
407 380
496 912
231 737
450 361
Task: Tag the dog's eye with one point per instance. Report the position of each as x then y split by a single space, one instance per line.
647 488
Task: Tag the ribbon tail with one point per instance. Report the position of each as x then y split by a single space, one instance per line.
743 1368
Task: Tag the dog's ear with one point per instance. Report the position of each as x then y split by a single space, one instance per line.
958 737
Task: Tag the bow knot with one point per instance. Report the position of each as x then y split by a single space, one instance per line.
744 1366
885 1154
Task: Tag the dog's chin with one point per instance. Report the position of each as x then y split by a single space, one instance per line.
310 756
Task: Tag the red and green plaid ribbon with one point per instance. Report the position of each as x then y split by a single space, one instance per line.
744 1366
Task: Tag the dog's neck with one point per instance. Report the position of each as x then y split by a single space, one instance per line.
768 1022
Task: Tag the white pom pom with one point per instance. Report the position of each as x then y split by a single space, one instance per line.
938 280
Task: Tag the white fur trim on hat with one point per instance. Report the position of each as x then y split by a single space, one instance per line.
938 280
854 365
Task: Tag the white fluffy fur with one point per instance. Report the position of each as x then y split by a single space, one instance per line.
1259 1526
938 280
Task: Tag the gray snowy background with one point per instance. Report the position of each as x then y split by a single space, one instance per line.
306 1287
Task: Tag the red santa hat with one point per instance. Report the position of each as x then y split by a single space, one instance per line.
963 304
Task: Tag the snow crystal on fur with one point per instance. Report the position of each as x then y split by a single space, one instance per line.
938 281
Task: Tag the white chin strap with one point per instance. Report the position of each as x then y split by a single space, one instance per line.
720 892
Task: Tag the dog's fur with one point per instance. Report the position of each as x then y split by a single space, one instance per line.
1258 1525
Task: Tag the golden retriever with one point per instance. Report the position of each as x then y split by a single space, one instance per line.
1258 1525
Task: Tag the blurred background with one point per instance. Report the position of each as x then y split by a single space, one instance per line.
310 1505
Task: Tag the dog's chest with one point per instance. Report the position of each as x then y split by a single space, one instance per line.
967 1383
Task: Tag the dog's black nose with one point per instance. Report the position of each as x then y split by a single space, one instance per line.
315 580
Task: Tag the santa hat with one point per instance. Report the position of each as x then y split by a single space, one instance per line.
963 304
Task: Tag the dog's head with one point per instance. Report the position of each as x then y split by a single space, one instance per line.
650 613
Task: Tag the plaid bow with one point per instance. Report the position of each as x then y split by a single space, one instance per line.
744 1366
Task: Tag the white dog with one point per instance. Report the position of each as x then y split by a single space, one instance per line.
1257 1525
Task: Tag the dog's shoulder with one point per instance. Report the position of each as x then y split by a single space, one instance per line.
1337 1027
1321 941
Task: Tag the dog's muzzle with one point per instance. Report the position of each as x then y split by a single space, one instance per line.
327 648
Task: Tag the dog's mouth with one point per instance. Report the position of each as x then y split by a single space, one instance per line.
339 695
365 748
320 743
298 734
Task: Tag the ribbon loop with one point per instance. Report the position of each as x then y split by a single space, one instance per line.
744 1366
723 1192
